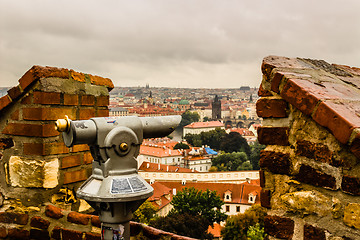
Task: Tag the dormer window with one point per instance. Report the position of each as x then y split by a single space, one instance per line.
252 197
227 196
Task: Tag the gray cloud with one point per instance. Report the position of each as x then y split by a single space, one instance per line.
204 43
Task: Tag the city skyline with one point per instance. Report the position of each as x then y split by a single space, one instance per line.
210 44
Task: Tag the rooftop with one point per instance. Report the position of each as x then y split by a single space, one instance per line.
205 124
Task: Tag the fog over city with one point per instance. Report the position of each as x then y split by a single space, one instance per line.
198 44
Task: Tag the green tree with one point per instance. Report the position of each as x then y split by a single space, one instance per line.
255 155
145 213
234 142
213 138
255 232
234 161
237 226
205 119
181 146
189 117
206 204
193 139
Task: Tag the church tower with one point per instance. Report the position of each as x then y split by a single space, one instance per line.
216 108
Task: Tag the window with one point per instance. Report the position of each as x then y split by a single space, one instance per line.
237 208
227 197
227 208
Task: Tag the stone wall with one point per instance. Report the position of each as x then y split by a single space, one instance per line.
310 168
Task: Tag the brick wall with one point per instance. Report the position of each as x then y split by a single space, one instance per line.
310 167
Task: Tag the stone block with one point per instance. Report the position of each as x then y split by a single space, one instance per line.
6 143
351 185
39 222
271 107
276 162
273 136
309 175
352 215
68 234
279 227
313 233
16 233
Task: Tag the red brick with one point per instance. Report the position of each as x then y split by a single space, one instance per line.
315 177
88 158
15 233
47 97
11 217
15 92
270 107
265 197
27 99
273 135
262 178
271 62
51 148
102 112
31 130
28 78
4 101
39 234
276 162
77 76
102 101
339 117
87 113
70 161
276 79
3 232
75 176
351 185
15 115
263 93
39 222
87 100
317 151
51 72
68 234
56 233
53 212
313 233
80 148
48 113
72 100
96 80
6 143
279 227
95 221
92 236
78 218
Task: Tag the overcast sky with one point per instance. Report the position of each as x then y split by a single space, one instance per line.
174 43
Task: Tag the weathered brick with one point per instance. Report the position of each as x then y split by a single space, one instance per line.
271 62
135 228
273 135
47 97
15 92
15 115
270 107
80 148
92 236
88 158
315 177
39 222
77 76
265 197
316 151
276 79
68 234
3 232
276 162
6 143
28 78
95 221
86 113
339 117
262 178
56 233
78 218
96 80
70 161
351 185
27 99
39 234
48 113
355 146
51 148
87 100
279 227
31 130
11 217
4 101
72 100
263 93
15 233
75 176
313 233
102 101
53 212
102 112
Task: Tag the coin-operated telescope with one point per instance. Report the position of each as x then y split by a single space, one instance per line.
115 189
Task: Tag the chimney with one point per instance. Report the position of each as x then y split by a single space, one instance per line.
167 168
183 182
159 166
147 165
174 191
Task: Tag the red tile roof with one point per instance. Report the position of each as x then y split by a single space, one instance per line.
156 167
159 151
205 124
328 93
